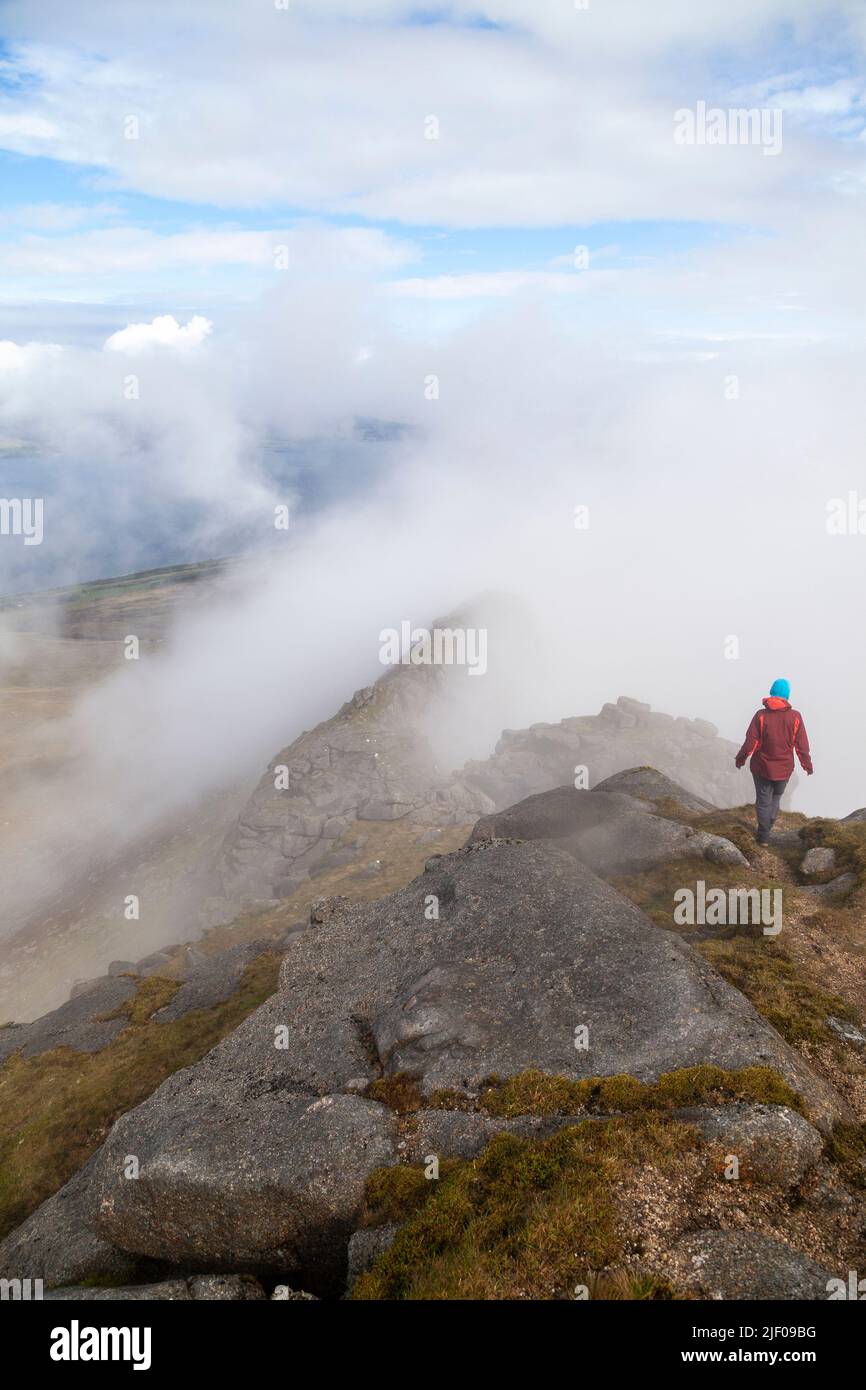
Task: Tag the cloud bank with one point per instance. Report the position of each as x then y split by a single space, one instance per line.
437 412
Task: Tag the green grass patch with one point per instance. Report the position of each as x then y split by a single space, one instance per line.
523 1220
401 1092
763 971
847 1147
56 1108
623 1284
536 1093
393 1194
152 993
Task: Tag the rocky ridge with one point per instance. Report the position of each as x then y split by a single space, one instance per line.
256 1160
373 762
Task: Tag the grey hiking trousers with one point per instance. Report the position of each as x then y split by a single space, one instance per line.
768 795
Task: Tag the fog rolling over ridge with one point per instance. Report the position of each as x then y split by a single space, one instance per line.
613 379
643 600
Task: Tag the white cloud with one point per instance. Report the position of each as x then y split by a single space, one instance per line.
136 250
54 216
22 128
164 331
39 266
493 284
326 108
16 357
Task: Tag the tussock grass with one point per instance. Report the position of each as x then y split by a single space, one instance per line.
524 1220
619 1285
760 967
764 972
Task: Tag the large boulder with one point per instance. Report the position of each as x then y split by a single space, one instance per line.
648 784
487 963
611 832
745 1264
242 1171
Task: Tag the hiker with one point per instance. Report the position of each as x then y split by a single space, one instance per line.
774 733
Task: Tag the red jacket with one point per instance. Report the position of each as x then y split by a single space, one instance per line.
774 733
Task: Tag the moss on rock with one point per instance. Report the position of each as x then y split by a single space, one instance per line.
534 1218
401 1093
536 1093
524 1220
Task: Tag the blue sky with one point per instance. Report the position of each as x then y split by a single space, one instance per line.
260 132
30 181
507 189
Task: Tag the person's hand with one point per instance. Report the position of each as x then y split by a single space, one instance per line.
737 762
810 771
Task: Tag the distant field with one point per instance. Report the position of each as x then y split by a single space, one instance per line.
107 609
105 588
